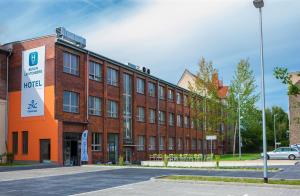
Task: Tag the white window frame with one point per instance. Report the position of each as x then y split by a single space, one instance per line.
111 111
93 75
152 145
141 146
96 144
69 67
141 114
69 107
112 76
95 111
171 143
140 85
151 90
151 116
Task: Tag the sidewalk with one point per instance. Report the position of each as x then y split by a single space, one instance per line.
248 163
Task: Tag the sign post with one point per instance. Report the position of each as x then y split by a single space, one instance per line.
211 138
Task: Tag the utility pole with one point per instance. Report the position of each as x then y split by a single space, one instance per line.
240 140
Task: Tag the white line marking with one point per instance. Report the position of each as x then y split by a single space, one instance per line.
110 188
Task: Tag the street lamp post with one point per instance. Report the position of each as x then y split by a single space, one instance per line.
275 142
259 4
239 107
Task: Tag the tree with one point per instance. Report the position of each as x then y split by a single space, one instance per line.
204 101
282 74
242 90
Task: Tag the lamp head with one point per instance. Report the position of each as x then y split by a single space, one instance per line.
258 3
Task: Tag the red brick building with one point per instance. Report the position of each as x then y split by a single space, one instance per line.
127 111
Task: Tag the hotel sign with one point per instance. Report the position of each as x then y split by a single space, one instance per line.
33 78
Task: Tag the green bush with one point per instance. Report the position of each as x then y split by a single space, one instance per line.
121 160
10 158
166 160
217 158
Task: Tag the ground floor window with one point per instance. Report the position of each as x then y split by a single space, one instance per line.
171 143
15 142
96 142
194 144
161 143
25 142
141 144
152 143
179 143
187 144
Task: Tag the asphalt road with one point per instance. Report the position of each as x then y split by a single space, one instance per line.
77 183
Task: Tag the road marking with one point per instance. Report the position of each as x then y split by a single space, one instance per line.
111 188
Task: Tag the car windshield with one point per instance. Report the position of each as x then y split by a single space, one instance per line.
278 150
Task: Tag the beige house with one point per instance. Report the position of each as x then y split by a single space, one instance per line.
188 79
294 112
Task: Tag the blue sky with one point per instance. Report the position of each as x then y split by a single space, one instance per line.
169 36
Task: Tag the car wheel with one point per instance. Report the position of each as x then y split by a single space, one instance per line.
268 157
292 157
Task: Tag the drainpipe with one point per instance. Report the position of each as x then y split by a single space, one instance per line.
158 119
87 87
6 104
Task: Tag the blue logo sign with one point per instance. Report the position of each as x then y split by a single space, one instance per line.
33 58
32 105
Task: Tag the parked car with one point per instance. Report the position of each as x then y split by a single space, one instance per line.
295 146
283 153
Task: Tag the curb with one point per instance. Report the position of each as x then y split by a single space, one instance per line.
158 179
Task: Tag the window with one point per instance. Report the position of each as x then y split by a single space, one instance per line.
152 143
151 89
171 143
179 143
170 95
94 106
141 114
151 116
199 145
71 63
187 122
187 144
71 102
179 120
112 77
25 142
141 146
96 142
194 144
192 125
185 100
95 71
127 106
112 109
178 98
140 86
161 143
171 119
161 92
15 142
162 117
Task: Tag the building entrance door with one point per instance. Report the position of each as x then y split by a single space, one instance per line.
45 150
112 148
72 149
127 155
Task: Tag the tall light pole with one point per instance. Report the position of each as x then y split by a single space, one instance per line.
275 142
239 107
259 4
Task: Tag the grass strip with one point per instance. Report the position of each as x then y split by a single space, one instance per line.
232 179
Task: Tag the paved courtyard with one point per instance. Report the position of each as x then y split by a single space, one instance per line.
97 180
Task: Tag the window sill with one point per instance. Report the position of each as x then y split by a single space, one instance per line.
78 76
